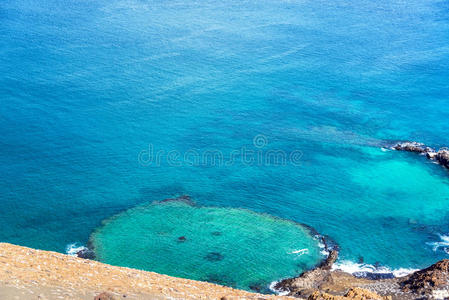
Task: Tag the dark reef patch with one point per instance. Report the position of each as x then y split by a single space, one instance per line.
214 256
184 198
260 287
205 236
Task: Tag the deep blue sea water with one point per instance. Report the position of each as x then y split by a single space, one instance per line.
88 86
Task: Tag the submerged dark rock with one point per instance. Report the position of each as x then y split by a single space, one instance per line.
184 198
260 287
214 256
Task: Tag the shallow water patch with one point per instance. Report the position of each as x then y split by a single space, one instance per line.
229 246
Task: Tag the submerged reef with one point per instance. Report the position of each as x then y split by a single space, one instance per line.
230 246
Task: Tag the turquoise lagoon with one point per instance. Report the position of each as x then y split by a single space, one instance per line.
234 247
88 86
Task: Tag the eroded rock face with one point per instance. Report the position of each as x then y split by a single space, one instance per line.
425 281
307 282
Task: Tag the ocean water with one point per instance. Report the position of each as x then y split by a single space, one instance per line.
227 246
107 105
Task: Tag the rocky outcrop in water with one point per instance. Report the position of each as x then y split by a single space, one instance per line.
441 156
322 283
306 283
86 254
412 147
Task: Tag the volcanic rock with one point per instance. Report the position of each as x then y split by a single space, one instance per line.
426 280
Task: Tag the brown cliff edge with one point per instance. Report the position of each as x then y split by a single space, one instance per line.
30 274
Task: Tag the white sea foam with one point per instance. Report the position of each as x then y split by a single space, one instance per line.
352 267
322 246
73 249
443 243
300 251
274 290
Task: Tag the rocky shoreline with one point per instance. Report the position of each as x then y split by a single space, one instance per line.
324 283
52 275
34 274
440 156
